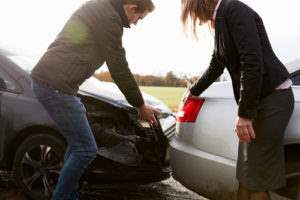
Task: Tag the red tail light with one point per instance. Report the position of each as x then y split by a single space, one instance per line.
189 109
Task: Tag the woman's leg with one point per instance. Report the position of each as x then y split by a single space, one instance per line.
259 196
243 193
260 166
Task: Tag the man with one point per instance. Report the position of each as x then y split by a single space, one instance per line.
92 36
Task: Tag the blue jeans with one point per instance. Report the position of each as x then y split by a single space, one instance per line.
69 114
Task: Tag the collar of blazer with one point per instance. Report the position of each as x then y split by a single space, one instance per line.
220 17
219 27
221 8
216 9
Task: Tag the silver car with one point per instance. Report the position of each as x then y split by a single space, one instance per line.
204 151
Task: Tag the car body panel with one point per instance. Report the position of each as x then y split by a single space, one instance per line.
292 135
216 135
110 93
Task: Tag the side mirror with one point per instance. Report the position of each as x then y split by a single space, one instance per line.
2 84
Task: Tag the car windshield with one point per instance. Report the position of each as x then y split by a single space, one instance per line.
25 62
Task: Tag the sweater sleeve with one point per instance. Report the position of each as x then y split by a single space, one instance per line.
115 57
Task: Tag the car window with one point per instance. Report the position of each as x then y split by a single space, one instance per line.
6 82
295 77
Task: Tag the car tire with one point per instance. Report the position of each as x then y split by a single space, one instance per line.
37 163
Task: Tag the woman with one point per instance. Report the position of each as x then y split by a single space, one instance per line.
261 85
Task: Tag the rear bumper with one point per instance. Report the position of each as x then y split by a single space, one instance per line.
202 172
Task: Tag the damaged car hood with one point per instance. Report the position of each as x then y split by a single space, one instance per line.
110 93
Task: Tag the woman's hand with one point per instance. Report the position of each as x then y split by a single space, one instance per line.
244 129
147 112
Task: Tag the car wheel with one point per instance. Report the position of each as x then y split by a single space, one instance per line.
37 163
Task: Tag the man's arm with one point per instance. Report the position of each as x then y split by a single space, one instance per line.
111 45
120 72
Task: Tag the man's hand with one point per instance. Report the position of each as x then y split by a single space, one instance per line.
147 112
244 129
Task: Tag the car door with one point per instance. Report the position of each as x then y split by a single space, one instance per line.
9 89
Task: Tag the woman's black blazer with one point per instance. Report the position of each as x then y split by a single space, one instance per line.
243 47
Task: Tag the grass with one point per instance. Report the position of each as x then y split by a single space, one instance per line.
169 95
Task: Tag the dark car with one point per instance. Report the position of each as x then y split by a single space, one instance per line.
32 148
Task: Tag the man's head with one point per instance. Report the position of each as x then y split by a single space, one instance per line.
137 9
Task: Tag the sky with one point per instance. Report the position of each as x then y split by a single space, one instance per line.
157 44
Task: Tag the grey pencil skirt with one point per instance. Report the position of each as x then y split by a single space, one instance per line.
260 164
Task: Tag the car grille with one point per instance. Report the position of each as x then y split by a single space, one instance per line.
170 132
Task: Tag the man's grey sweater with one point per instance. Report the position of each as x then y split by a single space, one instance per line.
92 36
